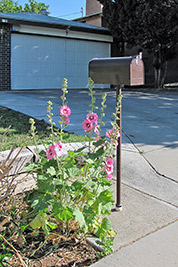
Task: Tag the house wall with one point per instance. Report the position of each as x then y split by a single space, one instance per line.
93 20
5 55
93 6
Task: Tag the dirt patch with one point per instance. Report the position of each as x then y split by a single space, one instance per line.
34 247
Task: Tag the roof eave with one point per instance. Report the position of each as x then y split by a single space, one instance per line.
57 26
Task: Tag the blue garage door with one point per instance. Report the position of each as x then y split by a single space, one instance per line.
39 62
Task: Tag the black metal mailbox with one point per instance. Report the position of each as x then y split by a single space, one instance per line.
118 71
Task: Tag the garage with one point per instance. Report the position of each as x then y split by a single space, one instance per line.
40 62
38 51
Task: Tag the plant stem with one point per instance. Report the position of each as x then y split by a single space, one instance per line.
17 253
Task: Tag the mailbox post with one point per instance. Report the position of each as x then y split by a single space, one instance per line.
118 71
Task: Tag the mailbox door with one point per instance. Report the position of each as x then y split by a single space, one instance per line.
136 72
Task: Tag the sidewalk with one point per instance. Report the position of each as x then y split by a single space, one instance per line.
147 226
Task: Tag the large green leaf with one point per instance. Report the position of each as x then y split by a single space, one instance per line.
80 218
63 213
39 203
103 203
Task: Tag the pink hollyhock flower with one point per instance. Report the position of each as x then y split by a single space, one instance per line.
109 161
109 176
65 119
108 169
65 111
93 117
58 149
87 125
50 153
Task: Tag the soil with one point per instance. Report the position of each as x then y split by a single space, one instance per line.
34 249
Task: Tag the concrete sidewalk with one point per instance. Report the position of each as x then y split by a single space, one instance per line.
147 226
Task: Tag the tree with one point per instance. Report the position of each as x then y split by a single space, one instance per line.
35 7
10 6
151 24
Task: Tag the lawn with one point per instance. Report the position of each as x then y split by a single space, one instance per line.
19 132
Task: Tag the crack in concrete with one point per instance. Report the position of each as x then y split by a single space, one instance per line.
150 195
141 237
141 153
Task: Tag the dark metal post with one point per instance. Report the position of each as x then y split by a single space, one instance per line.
118 155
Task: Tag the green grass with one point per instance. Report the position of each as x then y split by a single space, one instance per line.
19 132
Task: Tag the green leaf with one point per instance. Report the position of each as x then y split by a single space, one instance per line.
31 166
103 203
38 221
99 142
106 224
45 186
90 159
80 218
78 184
99 152
51 170
74 172
89 215
63 213
52 225
39 203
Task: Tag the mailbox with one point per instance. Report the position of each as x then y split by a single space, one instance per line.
117 70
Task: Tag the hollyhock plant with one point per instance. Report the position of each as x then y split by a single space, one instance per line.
75 184
87 125
92 117
51 152
65 111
